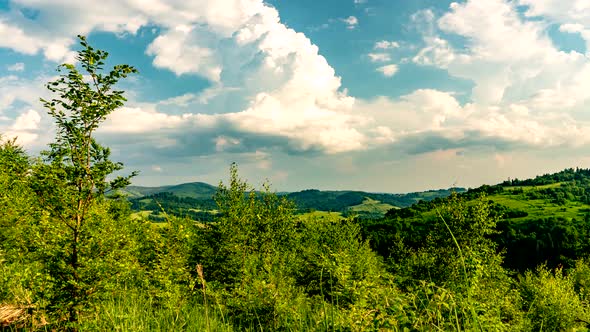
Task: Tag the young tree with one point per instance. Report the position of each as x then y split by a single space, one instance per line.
17 208
71 183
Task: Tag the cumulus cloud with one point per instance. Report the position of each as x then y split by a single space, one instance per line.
50 33
21 97
571 16
291 92
388 70
27 121
428 120
526 68
292 98
25 127
174 51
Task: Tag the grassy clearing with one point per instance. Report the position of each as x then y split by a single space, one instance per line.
144 214
208 211
528 188
540 208
371 206
320 215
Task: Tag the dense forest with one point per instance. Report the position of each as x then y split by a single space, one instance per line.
75 256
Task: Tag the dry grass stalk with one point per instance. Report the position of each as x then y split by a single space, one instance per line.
12 315
202 277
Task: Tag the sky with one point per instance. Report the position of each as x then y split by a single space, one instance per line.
375 95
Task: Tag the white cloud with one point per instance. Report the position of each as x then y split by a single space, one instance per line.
431 113
388 70
571 16
175 51
223 142
31 129
438 52
571 27
386 44
25 127
13 89
423 110
504 70
293 99
190 99
136 120
27 121
379 57
351 22
15 38
51 33
422 121
290 91
19 66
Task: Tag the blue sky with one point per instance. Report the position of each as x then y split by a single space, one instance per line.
377 95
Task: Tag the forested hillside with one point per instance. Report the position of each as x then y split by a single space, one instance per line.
196 201
340 201
74 256
541 220
196 190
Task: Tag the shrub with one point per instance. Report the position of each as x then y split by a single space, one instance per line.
550 300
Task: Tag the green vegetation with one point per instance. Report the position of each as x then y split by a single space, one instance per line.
542 220
369 209
195 200
511 257
196 190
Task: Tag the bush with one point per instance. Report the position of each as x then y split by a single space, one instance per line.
550 301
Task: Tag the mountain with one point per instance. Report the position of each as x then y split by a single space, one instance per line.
197 190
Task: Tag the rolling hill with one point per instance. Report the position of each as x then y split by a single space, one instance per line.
342 201
198 195
198 190
541 220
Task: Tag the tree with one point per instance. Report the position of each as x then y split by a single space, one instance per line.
17 208
71 182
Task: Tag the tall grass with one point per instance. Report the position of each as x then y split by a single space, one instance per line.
470 306
138 312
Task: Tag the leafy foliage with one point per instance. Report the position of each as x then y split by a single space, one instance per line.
551 302
71 238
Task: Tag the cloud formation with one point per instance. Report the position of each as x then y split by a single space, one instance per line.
291 91
351 22
379 57
386 45
388 70
526 91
